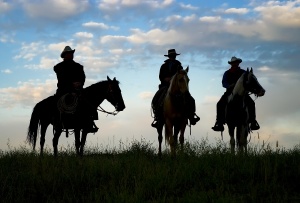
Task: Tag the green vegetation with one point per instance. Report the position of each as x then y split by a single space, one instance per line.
199 173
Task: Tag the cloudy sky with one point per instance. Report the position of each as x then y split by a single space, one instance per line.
127 39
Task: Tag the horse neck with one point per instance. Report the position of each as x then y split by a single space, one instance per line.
239 88
96 93
174 87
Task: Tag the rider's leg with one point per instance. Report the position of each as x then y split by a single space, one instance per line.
192 116
157 106
220 121
252 114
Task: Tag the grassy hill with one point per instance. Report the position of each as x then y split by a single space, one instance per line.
199 173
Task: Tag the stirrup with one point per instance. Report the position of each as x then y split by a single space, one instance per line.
254 125
194 119
218 127
93 129
154 124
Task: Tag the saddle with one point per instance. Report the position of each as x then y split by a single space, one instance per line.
234 112
73 113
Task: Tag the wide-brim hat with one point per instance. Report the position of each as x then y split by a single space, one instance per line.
235 59
66 49
172 52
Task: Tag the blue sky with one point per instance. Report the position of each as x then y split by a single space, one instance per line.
127 39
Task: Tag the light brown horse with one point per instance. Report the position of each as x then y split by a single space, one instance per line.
175 109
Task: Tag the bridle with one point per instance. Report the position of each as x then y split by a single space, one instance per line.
110 92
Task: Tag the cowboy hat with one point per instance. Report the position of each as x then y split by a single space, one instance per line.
172 52
235 59
66 49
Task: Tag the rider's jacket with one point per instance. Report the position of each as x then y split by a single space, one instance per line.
168 69
230 77
67 72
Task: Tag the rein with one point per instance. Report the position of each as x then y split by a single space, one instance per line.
99 108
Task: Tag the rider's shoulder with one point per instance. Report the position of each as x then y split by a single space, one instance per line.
78 64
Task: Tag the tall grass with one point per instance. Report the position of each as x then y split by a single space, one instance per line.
199 173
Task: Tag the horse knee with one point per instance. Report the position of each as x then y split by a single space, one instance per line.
181 139
160 138
232 141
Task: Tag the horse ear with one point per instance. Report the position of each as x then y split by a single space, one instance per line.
187 69
251 70
114 79
247 70
108 78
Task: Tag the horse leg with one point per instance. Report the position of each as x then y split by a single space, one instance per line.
176 132
44 126
77 140
181 137
83 140
57 133
169 136
243 132
160 137
232 140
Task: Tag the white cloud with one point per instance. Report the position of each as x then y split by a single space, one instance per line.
155 36
44 63
85 35
286 13
6 71
120 4
4 6
27 93
92 24
59 47
188 6
210 19
59 9
237 10
119 51
146 95
264 69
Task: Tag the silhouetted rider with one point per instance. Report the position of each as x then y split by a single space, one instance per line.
168 69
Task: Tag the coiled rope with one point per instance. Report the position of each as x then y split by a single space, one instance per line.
68 103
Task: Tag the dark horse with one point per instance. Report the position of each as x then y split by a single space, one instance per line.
174 111
43 114
237 112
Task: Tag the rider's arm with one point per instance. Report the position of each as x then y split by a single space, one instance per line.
162 74
225 82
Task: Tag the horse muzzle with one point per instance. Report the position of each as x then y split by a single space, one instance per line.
119 107
261 92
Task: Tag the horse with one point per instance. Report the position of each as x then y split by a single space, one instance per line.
237 116
174 111
43 114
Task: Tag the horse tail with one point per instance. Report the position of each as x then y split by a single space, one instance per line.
34 125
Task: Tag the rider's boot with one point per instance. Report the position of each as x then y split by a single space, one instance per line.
93 128
218 126
194 119
254 125
155 123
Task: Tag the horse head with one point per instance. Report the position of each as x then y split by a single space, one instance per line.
114 95
180 82
252 85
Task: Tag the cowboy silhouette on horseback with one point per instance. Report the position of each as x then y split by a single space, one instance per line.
71 79
229 80
167 70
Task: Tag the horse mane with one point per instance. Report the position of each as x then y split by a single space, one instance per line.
174 79
91 93
239 88
92 90
94 86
